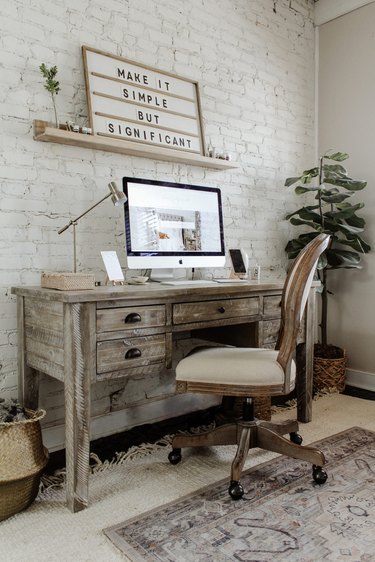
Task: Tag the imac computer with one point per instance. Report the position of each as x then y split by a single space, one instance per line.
171 226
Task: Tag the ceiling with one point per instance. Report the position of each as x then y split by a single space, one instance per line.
326 10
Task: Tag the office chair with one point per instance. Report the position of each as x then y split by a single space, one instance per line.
251 372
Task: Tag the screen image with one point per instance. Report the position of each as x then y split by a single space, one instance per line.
172 220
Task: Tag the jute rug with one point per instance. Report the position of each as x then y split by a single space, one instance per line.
284 515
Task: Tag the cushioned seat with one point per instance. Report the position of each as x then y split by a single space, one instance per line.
211 366
250 372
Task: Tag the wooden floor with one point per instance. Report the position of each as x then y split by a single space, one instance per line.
106 447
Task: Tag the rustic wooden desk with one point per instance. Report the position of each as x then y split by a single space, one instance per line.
80 337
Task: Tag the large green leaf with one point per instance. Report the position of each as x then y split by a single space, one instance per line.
302 212
298 222
309 174
300 189
357 243
337 156
358 222
344 266
346 205
306 213
334 198
291 181
346 229
346 210
328 190
335 176
342 258
335 169
347 183
331 226
322 261
306 177
295 245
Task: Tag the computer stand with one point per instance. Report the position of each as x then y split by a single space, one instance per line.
234 275
113 282
170 274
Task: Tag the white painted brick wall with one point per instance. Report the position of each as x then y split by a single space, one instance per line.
255 68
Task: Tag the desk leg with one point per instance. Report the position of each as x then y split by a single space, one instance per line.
304 381
77 355
28 378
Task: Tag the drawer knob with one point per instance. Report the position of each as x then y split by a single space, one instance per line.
221 309
133 353
132 318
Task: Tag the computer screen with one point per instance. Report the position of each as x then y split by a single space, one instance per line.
172 225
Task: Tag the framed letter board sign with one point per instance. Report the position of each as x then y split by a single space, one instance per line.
137 103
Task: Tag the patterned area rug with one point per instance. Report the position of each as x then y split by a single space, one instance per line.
283 516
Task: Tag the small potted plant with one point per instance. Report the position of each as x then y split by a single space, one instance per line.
22 456
51 85
331 213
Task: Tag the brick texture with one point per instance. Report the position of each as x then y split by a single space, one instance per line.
254 62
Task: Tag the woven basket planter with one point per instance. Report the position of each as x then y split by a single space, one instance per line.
329 368
233 410
262 407
22 461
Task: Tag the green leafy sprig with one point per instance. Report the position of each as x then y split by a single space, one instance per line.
51 84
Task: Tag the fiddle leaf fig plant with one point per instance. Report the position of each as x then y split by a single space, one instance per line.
51 84
330 187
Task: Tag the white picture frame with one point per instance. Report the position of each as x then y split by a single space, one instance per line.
134 102
112 267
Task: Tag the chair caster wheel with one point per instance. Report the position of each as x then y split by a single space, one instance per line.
235 490
296 438
174 456
319 474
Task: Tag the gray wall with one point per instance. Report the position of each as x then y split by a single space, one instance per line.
346 122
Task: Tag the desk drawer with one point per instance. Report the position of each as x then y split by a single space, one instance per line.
127 353
270 331
272 305
129 317
186 313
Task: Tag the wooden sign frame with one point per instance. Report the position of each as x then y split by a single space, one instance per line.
138 103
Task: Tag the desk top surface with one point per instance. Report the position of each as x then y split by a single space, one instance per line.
150 291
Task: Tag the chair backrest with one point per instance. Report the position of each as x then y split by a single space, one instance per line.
296 291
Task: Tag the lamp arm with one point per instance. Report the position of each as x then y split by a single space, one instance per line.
74 221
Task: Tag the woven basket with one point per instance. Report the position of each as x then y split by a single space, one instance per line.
22 461
262 407
67 281
329 374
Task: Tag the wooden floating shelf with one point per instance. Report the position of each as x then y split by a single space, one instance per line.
45 133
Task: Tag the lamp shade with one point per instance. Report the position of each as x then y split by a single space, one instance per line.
118 197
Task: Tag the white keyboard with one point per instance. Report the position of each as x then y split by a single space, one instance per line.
226 280
190 282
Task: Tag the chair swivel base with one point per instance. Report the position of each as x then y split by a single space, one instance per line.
248 435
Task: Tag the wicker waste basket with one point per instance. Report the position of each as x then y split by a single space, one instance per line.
22 461
329 368
262 408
